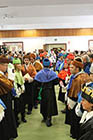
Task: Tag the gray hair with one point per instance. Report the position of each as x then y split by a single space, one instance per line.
86 57
91 68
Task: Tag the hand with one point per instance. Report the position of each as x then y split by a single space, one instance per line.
67 79
26 79
69 107
61 83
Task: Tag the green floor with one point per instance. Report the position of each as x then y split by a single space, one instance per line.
35 130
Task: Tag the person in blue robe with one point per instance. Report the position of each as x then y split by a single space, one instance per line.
45 80
60 63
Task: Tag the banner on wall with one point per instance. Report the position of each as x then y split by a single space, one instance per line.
14 46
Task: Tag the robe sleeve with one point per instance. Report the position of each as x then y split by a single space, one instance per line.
6 83
33 71
56 81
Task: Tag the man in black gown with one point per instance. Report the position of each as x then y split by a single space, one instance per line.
45 81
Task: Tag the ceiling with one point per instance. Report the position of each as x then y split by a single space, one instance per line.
39 14
42 2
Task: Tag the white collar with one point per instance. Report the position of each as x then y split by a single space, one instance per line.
89 115
88 83
27 65
78 73
86 116
1 73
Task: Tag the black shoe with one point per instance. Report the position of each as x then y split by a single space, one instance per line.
48 123
17 124
35 106
24 120
63 111
43 121
29 112
72 136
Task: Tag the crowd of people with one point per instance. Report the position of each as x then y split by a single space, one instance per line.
28 79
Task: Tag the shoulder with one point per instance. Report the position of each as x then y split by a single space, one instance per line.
22 67
1 75
82 75
31 66
51 71
39 73
53 74
85 77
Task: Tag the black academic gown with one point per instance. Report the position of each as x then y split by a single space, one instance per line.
29 95
61 96
86 130
29 92
8 124
73 120
48 104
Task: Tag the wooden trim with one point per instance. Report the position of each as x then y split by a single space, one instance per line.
46 32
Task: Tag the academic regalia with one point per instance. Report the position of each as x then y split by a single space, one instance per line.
58 64
38 66
7 125
28 69
87 66
78 80
74 88
29 89
86 130
19 105
2 108
62 75
70 56
46 79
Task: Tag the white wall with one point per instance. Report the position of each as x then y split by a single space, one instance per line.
73 42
